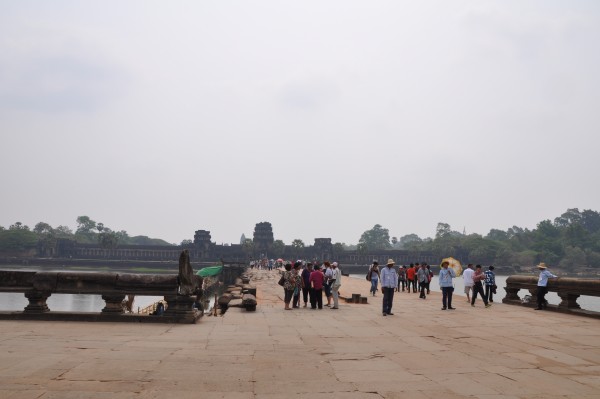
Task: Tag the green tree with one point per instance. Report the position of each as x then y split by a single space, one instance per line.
186 243
574 257
17 240
442 230
408 240
85 225
377 238
497 235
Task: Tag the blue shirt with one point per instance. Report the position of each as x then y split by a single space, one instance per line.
389 277
544 276
490 277
446 276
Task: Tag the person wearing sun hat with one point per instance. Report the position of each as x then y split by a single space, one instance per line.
389 282
542 285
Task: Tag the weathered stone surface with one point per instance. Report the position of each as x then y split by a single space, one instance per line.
421 352
249 302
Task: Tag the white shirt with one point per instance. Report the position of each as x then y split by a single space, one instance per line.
468 277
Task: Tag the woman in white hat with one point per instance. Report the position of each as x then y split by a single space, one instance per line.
542 286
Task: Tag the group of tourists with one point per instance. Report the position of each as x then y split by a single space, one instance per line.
416 277
475 280
420 274
311 280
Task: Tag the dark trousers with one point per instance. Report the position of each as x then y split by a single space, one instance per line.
305 294
316 298
414 285
296 300
447 297
402 283
287 295
541 297
422 287
478 289
489 294
388 299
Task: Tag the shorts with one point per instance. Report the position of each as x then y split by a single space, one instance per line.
468 288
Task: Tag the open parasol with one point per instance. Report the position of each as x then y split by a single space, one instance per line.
209 271
454 265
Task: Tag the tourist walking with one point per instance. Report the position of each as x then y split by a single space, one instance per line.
401 278
299 284
430 276
374 276
490 283
423 277
415 280
289 284
468 280
316 288
542 286
336 284
446 285
410 276
327 284
478 278
306 282
389 282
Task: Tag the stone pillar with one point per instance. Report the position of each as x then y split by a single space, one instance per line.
512 294
37 302
181 307
569 300
114 304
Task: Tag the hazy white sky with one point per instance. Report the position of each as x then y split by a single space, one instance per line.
321 117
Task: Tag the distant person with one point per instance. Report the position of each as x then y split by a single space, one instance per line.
446 285
542 286
478 278
328 273
306 280
423 277
374 276
401 278
299 284
415 279
289 284
490 283
316 288
389 282
410 276
336 284
430 276
468 280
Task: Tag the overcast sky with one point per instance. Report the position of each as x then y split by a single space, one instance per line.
321 117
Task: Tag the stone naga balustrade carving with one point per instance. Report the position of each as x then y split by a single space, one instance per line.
113 287
568 289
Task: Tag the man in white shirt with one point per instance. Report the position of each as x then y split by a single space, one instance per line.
468 280
389 282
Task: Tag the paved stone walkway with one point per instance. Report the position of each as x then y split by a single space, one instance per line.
354 352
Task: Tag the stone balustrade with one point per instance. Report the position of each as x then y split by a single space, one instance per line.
38 286
568 289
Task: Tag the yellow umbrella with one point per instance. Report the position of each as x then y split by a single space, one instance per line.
454 265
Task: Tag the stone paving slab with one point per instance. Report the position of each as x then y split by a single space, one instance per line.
421 352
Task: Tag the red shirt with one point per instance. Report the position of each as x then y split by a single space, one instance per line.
316 278
410 273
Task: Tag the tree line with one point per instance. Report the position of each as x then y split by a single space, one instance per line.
19 238
571 240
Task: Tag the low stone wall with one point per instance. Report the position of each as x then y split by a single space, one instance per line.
113 287
567 288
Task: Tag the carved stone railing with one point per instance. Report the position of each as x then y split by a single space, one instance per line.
113 287
568 289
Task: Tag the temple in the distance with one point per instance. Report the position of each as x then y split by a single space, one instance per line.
203 249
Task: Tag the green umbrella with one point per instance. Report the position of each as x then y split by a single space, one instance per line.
209 271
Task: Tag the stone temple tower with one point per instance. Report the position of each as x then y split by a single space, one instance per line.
263 238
